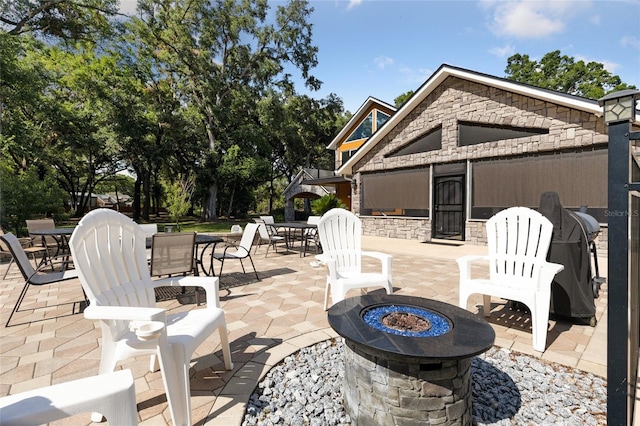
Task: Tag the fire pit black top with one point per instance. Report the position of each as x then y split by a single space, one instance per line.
467 336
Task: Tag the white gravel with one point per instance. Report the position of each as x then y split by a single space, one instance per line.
508 388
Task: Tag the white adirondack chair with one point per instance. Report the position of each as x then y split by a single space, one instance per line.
518 239
109 252
114 394
340 233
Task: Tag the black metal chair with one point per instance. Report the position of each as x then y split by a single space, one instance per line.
28 249
31 275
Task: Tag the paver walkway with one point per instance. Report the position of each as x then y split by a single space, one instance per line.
267 320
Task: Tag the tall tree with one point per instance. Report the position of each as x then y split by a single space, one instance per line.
80 145
23 83
65 19
224 54
295 131
564 74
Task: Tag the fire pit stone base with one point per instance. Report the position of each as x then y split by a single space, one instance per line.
382 391
412 378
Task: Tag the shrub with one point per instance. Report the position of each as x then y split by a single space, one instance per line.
326 203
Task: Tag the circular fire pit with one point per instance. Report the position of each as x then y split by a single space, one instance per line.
408 359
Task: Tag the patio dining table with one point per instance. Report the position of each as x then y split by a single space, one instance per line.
61 237
291 228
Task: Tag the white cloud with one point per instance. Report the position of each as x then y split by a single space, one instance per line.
530 19
503 52
630 41
595 20
383 61
353 3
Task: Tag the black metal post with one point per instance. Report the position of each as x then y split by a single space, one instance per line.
619 409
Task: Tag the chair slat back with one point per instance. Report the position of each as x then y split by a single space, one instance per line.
172 253
518 240
244 248
262 230
39 225
340 234
268 219
13 246
109 251
4 247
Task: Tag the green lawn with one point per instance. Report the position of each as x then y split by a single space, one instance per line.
217 226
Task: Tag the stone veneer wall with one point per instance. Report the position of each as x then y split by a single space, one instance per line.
420 230
378 391
456 99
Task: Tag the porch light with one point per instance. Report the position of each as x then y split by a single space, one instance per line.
619 106
354 185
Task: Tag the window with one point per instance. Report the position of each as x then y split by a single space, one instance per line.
474 133
579 178
396 193
381 118
347 154
431 141
364 130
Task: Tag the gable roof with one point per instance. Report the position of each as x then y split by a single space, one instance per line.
442 74
358 117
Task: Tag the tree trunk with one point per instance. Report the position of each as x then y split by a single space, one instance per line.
115 187
230 208
136 197
209 207
146 189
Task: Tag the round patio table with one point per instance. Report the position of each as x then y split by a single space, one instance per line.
61 237
206 241
291 228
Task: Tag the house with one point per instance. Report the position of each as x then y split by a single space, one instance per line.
308 184
467 145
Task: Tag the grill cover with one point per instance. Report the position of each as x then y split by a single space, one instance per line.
571 291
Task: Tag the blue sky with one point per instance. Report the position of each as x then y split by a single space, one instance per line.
383 48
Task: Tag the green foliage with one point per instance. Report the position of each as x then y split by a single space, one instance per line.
65 19
400 100
224 56
180 91
178 197
121 184
326 203
23 195
563 73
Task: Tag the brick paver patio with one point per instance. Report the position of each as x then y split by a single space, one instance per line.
267 320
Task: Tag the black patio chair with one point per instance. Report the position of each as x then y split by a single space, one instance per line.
32 276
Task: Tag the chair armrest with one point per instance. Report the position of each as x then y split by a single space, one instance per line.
548 270
25 241
384 258
211 286
464 265
331 265
126 313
